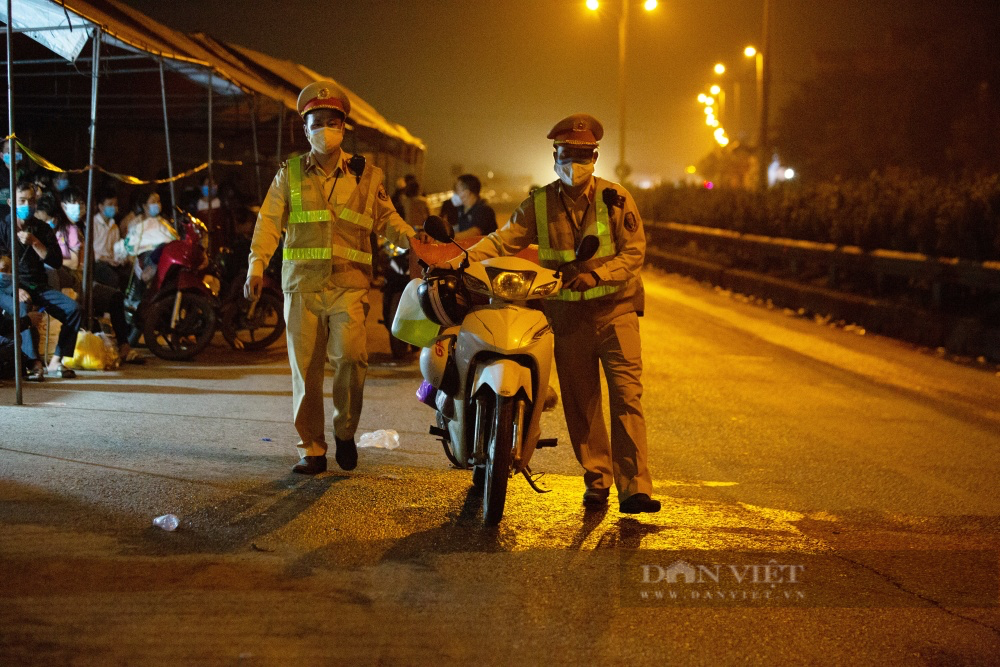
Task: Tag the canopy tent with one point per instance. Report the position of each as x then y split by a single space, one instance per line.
50 97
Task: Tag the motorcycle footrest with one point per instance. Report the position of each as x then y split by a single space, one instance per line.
547 442
438 431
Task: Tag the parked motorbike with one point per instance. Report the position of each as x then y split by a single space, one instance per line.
489 364
395 268
176 311
246 325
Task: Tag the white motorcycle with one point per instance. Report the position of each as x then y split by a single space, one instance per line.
486 368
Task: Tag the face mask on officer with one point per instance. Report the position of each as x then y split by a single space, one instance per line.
326 140
574 174
72 211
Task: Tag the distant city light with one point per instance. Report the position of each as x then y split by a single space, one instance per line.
720 68
715 89
708 185
709 111
750 52
714 123
592 5
489 174
702 97
650 5
789 173
691 169
710 101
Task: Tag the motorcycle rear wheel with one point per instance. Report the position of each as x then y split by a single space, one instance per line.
192 333
500 453
265 327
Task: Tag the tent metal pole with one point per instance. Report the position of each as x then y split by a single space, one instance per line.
211 178
281 122
88 250
12 148
256 152
166 132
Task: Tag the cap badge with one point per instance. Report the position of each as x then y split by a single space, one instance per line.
323 93
579 126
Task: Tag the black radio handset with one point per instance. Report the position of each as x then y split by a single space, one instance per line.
357 166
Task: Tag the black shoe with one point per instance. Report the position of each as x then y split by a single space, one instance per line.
310 465
637 503
595 497
347 454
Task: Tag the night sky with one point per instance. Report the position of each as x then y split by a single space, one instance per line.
482 82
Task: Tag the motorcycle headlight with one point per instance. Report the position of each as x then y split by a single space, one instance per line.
474 284
545 290
211 283
510 285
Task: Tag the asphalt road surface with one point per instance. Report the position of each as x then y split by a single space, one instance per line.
828 498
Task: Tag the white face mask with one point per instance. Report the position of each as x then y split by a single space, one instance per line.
574 173
456 200
72 212
326 140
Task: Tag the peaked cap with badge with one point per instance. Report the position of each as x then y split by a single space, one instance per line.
323 95
580 129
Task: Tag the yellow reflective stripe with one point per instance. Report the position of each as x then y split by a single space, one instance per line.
359 219
295 184
309 216
352 254
541 220
556 255
592 293
301 254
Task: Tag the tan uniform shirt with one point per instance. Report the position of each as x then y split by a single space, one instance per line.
337 186
521 231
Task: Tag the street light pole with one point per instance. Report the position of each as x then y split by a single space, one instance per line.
763 94
623 170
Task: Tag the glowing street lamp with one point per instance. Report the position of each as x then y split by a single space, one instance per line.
622 169
720 68
715 89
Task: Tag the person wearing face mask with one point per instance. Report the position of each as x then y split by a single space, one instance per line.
68 235
475 216
22 171
208 198
38 250
145 237
595 315
108 269
329 206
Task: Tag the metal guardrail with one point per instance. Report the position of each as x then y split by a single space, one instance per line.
936 271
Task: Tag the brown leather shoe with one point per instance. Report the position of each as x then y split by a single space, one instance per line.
637 503
310 465
347 454
595 497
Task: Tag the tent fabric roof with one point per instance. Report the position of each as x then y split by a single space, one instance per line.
238 66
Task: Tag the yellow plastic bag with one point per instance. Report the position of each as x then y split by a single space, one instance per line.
89 353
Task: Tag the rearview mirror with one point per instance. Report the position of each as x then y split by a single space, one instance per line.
438 229
587 248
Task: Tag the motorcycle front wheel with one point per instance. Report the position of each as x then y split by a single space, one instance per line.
500 453
244 332
189 335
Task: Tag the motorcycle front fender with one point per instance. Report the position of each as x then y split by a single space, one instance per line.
505 377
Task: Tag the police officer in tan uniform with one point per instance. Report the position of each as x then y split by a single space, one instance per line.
595 315
328 203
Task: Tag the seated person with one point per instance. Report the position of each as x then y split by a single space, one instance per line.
37 248
108 269
475 218
69 237
147 233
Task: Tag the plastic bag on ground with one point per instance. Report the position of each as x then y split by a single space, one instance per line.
380 439
89 352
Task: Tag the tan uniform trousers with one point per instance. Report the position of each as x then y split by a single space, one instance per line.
581 348
326 326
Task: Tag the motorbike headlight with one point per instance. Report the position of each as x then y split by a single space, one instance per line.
511 285
211 283
474 284
545 290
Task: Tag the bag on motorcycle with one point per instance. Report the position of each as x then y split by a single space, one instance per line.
410 324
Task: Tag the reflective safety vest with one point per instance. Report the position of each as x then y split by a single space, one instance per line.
318 239
552 258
